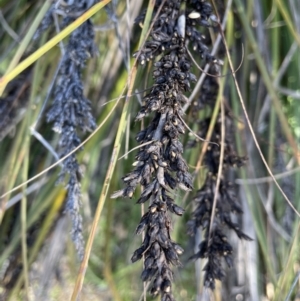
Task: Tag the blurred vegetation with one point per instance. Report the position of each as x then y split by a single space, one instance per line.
37 257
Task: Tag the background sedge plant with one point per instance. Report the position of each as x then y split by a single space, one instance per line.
67 83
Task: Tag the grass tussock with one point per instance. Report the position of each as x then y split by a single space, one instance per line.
105 104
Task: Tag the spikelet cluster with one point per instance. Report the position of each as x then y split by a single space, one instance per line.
70 112
160 166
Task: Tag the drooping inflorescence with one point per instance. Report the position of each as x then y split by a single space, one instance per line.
160 167
215 246
71 110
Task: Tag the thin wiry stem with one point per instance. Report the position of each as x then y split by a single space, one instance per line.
137 147
267 179
194 134
212 75
39 137
144 294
